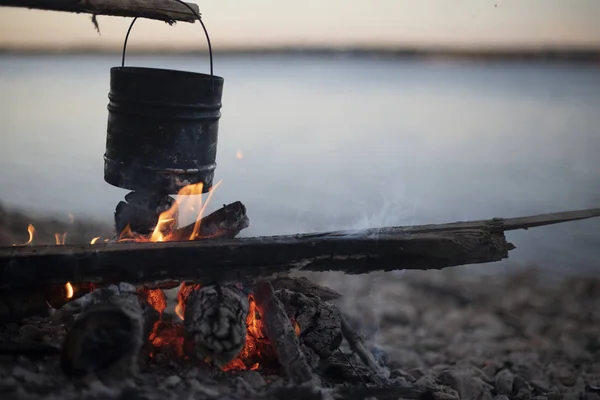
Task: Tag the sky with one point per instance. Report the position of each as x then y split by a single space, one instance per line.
261 23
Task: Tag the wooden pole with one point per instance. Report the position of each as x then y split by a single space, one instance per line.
163 10
245 259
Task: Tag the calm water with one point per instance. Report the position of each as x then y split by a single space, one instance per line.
334 143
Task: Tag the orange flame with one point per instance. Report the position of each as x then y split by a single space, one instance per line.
60 239
94 240
184 292
31 231
189 199
239 154
69 289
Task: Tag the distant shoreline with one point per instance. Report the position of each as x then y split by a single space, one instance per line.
542 54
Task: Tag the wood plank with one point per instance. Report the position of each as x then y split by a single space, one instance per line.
246 259
163 10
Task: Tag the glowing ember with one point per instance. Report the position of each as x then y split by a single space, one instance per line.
168 334
60 239
69 289
296 327
155 297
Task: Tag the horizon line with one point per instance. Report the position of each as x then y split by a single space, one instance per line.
582 53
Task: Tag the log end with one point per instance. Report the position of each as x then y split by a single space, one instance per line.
215 323
100 339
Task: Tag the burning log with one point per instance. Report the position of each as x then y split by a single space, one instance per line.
282 334
245 259
215 322
108 335
319 322
226 222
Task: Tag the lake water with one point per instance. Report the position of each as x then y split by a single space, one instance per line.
337 142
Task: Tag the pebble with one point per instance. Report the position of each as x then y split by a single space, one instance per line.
467 386
417 372
31 333
504 382
8 385
254 379
400 373
171 381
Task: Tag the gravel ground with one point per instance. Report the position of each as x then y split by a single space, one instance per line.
512 336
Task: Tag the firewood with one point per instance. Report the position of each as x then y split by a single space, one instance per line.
358 346
281 334
246 259
304 286
319 322
226 222
215 322
164 10
107 336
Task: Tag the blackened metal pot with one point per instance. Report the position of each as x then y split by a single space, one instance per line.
162 127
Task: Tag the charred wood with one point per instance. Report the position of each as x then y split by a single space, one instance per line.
319 322
164 10
245 259
358 346
226 222
108 335
281 334
215 322
304 286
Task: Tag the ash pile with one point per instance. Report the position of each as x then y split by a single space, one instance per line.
432 335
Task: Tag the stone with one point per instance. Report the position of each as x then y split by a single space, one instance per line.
8 385
566 374
427 383
504 382
254 379
31 333
407 359
400 373
417 372
540 385
523 394
241 385
467 386
500 397
171 381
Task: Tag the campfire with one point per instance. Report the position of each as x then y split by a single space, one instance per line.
282 323
141 303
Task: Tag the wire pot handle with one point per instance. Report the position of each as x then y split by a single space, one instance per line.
201 23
